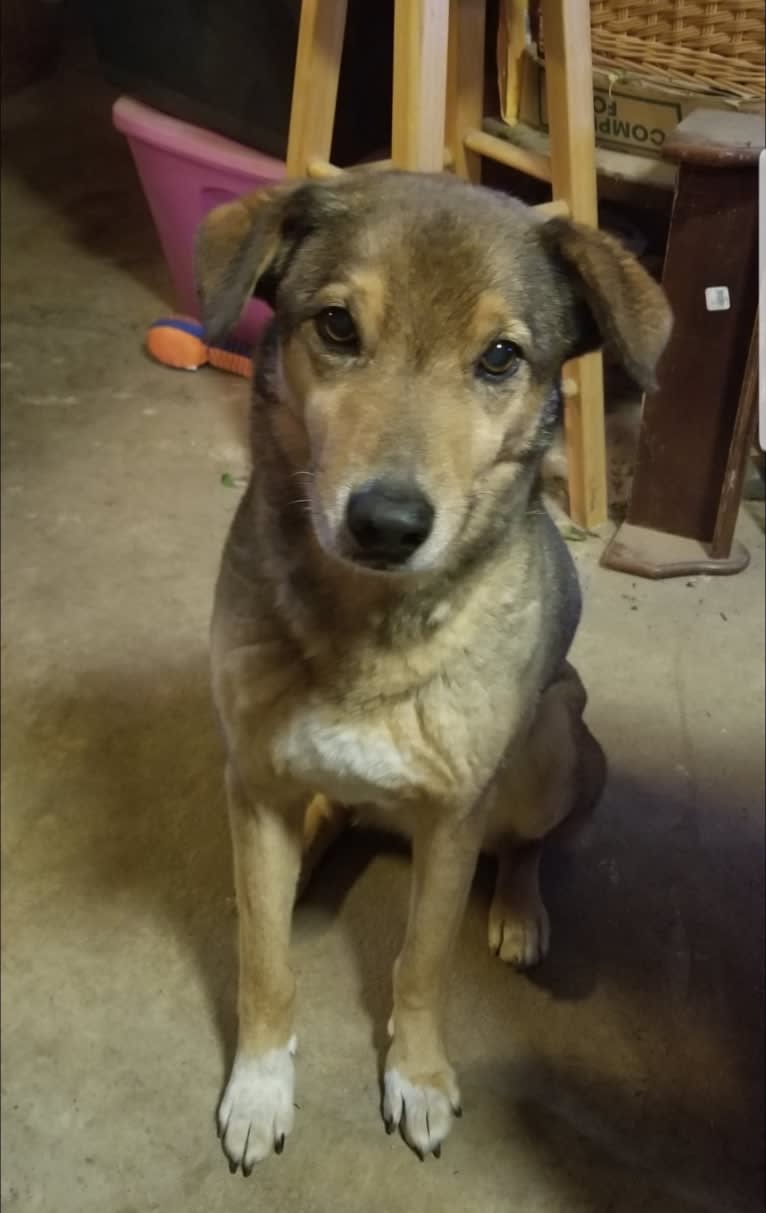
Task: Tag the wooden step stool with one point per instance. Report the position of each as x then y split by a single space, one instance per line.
438 95
697 428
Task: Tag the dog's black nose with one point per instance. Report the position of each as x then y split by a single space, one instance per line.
388 520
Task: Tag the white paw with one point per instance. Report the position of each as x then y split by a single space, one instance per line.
423 1112
520 938
256 1112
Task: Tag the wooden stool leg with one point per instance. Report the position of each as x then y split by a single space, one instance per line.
315 91
697 426
569 94
465 91
420 84
739 451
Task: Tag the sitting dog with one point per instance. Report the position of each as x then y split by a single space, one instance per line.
395 607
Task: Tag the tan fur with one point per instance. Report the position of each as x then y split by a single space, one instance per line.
434 698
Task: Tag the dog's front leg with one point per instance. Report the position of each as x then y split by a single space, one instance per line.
256 1111
420 1089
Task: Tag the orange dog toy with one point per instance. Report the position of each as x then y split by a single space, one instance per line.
178 341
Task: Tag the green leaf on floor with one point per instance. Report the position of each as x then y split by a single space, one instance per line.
573 534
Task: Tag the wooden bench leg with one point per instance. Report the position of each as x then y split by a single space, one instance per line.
569 95
696 428
420 84
465 91
742 438
315 91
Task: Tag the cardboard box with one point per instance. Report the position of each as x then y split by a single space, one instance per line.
631 114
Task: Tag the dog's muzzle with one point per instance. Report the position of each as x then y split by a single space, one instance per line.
387 522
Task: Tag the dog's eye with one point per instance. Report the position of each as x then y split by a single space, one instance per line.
336 326
500 360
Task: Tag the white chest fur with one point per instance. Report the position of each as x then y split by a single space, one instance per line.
440 740
348 758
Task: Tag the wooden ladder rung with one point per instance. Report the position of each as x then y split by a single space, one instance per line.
553 209
495 148
321 169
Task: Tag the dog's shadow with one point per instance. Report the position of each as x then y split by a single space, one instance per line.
636 913
603 1144
140 788
144 764
144 808
364 882
636 909
140 798
151 809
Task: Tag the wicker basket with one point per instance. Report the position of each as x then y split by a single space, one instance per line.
684 43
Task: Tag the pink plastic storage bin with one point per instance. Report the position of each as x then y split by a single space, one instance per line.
185 172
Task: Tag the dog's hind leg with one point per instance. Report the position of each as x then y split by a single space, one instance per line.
549 788
590 782
256 1111
324 822
519 927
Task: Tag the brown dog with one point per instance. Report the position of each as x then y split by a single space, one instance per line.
395 607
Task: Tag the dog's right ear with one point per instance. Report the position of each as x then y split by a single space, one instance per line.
244 247
617 303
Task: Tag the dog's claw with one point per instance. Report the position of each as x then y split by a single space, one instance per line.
256 1111
390 1126
458 1111
437 1151
233 1167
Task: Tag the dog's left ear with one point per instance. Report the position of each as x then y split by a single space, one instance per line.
243 247
617 303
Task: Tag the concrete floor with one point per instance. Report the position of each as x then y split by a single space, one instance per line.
625 1075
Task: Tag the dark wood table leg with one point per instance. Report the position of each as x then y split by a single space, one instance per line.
696 428
739 450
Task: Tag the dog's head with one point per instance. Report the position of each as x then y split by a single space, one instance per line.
422 324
